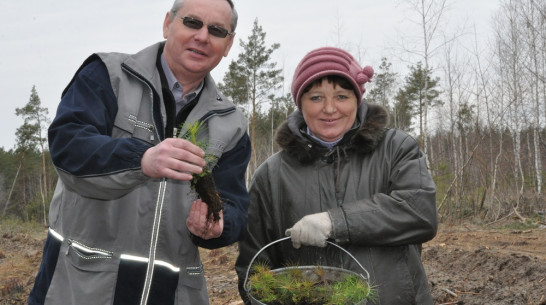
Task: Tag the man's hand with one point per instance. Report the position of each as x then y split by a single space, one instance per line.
311 230
173 158
199 226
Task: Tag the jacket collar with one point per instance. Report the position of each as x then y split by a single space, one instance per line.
364 137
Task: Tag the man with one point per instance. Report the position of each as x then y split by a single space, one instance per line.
125 225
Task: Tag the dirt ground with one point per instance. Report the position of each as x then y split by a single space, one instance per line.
465 265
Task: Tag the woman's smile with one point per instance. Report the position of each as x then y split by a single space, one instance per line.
329 110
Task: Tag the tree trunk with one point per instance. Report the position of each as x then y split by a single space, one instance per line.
12 186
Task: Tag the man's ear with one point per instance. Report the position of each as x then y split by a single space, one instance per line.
166 24
230 44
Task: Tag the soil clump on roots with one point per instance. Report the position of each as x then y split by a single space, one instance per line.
205 187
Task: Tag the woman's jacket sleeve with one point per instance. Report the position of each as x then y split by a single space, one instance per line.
405 213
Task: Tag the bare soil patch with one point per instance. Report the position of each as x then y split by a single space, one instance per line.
465 265
469 265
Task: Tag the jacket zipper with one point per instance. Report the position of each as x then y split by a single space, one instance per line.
87 252
153 242
159 203
213 113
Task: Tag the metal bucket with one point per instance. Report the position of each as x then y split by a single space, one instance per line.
310 269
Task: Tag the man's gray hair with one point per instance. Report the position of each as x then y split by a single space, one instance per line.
177 5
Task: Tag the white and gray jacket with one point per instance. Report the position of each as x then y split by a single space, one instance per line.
117 236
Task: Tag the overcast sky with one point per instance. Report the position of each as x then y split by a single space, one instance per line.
43 42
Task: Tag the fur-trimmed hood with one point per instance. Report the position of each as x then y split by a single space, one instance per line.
367 132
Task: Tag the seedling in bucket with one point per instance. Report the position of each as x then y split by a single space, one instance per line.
311 285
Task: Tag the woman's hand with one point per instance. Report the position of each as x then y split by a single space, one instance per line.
311 230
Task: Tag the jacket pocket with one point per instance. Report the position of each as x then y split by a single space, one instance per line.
83 275
131 126
193 277
192 287
87 258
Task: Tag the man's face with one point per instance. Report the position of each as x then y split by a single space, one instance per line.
192 53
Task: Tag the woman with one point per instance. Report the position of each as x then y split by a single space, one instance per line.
342 175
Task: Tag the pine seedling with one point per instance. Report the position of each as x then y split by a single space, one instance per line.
296 286
203 183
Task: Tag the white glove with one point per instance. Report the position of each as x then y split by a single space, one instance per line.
311 230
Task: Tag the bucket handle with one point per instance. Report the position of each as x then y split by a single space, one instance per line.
367 277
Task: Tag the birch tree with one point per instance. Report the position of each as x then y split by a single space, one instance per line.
429 18
535 24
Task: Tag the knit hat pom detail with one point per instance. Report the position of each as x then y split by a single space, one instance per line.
365 75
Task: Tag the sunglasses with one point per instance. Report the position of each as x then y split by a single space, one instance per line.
196 24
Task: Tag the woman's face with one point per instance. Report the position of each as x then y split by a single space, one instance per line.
329 110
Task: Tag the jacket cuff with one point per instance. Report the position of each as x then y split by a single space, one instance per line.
340 229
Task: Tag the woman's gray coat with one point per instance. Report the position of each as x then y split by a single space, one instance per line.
377 190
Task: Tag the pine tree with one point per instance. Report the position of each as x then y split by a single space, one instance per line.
384 88
418 83
402 112
252 78
30 136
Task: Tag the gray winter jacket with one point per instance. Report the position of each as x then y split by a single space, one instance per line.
116 235
377 190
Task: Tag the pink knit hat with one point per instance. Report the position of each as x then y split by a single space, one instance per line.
329 61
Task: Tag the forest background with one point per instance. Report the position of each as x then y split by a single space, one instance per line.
478 113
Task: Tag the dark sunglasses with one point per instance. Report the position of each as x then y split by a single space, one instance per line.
196 24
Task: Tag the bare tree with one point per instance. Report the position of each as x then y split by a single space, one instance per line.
511 55
429 18
534 24
484 93
455 96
